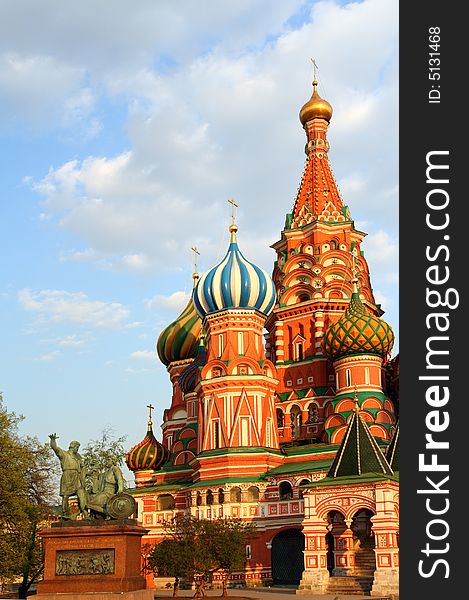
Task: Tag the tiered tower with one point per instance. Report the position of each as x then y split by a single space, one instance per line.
319 256
237 434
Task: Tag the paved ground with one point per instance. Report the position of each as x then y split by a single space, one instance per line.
265 594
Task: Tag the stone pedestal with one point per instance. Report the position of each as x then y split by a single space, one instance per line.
99 557
386 583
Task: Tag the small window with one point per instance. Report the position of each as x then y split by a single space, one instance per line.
302 482
280 418
209 498
299 351
348 378
216 434
235 494
165 502
240 342
253 494
285 490
248 552
367 375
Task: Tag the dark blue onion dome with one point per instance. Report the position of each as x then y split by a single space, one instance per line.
234 283
188 378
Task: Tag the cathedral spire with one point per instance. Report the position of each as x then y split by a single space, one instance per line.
318 197
359 452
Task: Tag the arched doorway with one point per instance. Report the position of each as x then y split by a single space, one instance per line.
363 542
287 557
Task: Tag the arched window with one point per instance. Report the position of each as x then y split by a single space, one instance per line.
198 499
367 374
333 245
313 416
348 378
302 482
221 496
253 494
235 494
303 298
165 502
299 351
216 434
280 418
295 418
285 490
209 498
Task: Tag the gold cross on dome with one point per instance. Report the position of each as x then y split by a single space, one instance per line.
196 253
315 68
150 408
233 204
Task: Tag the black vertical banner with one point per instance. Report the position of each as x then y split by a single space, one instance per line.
434 329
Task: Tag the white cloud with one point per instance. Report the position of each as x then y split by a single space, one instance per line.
71 341
137 371
383 249
59 306
173 303
224 124
35 88
144 355
49 357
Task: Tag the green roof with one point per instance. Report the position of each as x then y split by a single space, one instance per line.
392 454
300 467
166 486
318 391
309 448
220 482
352 480
359 452
240 450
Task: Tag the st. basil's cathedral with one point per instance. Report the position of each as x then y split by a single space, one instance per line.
285 401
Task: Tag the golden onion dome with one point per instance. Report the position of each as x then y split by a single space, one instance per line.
315 108
357 332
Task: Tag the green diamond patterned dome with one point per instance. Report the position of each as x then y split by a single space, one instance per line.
358 332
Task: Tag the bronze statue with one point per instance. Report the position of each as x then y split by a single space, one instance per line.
106 498
108 484
72 481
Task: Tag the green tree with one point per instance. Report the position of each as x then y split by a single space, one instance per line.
97 453
173 558
200 547
230 537
27 482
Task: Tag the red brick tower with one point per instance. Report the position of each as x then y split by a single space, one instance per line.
237 434
318 255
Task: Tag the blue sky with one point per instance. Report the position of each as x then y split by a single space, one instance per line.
125 127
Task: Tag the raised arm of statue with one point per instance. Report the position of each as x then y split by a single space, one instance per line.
53 444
